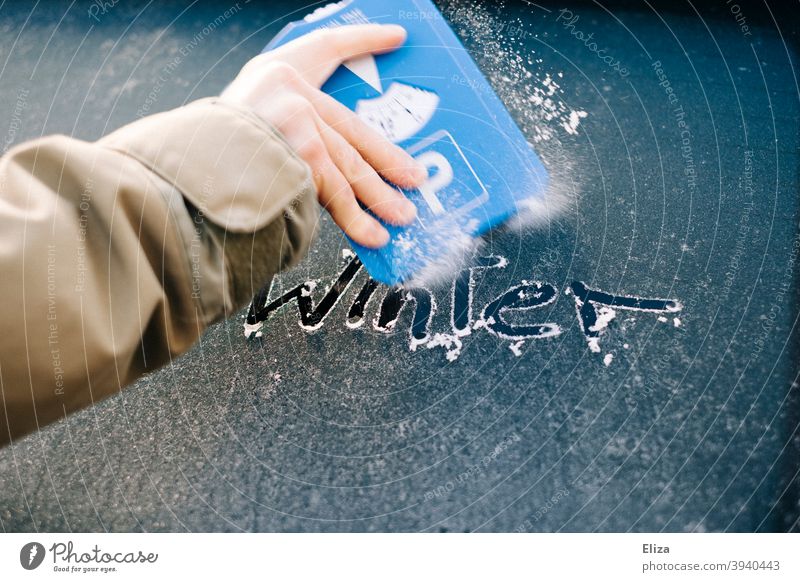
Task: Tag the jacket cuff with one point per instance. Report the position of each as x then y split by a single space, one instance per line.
232 166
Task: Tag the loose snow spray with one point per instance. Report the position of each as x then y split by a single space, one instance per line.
534 98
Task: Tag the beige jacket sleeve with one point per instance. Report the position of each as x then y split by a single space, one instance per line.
116 255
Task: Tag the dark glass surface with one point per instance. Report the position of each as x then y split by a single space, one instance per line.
692 425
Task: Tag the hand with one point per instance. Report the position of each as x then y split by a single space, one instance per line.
345 155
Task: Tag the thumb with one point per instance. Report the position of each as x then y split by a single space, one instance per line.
318 54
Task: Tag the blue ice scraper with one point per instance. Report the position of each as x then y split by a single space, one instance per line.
430 98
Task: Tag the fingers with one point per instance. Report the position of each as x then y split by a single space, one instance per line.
391 161
338 199
299 64
300 127
346 42
318 54
382 199
357 165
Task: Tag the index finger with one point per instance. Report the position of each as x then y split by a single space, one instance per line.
318 54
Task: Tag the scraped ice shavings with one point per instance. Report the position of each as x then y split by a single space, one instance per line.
596 314
516 347
483 323
253 329
605 315
450 342
308 288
